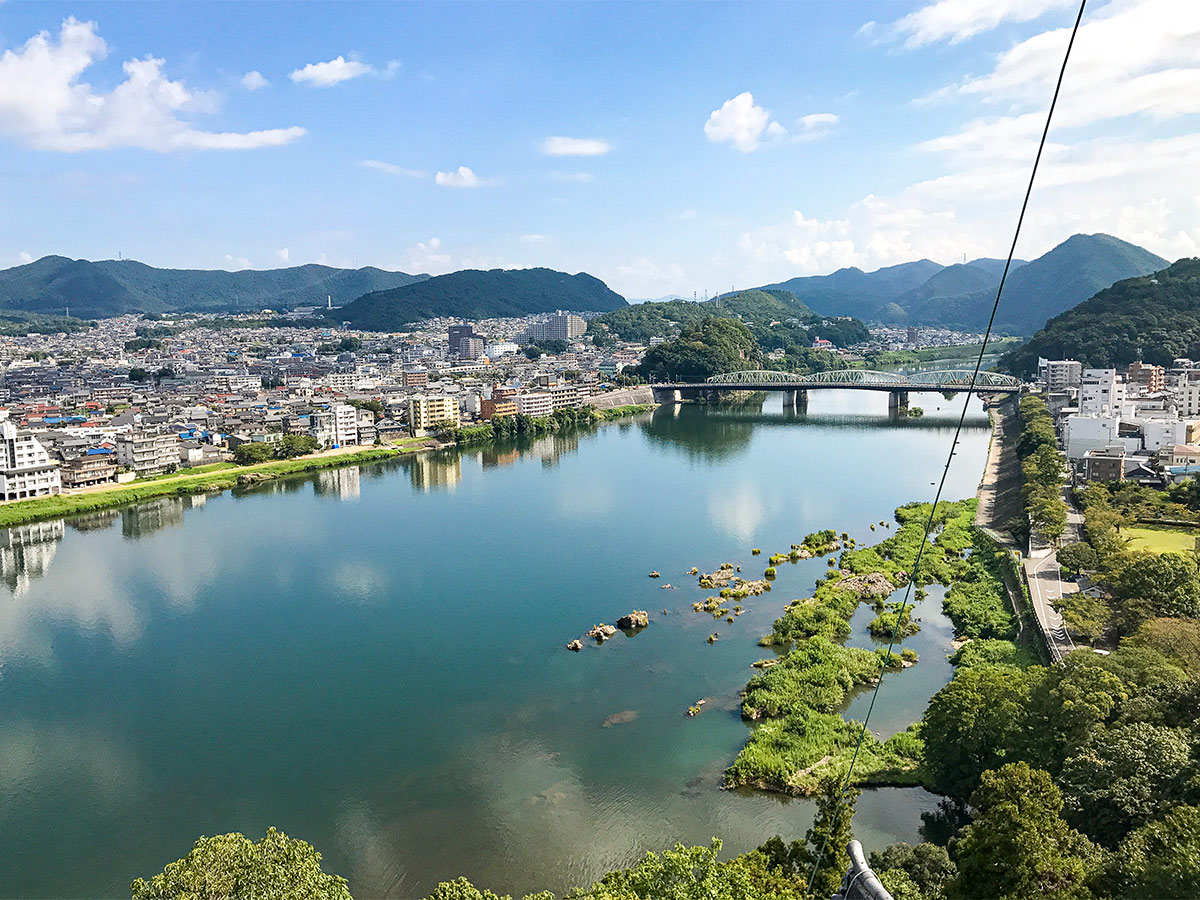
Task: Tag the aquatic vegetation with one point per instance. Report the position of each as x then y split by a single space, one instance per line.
770 572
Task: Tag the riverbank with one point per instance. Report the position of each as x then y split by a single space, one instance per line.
802 739
224 477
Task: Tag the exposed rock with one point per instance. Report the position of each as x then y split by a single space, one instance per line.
601 632
873 584
655 575
248 478
575 645
636 619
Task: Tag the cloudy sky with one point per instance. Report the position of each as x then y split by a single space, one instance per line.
666 148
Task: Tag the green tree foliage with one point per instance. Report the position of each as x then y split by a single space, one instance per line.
827 839
1018 845
1123 777
288 447
1160 860
137 375
927 866
1161 585
708 347
975 723
1085 616
1155 318
1079 557
226 866
1176 639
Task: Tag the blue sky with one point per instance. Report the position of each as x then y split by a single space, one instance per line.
673 147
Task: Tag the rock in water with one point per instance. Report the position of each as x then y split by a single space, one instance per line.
601 632
575 645
639 618
620 718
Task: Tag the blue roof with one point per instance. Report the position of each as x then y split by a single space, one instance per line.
1184 470
98 451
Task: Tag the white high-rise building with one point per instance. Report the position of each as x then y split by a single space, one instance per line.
1101 392
26 469
1063 373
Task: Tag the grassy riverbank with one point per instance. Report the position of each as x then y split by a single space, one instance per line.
803 739
220 479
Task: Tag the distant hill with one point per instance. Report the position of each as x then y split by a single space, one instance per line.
116 287
477 294
664 318
1154 317
776 318
961 296
853 292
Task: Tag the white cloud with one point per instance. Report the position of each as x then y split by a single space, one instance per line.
392 68
569 146
534 239
253 81
815 126
25 258
327 74
44 104
236 263
462 177
569 177
957 20
390 169
283 255
741 122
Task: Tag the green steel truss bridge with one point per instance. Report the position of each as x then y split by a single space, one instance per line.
796 386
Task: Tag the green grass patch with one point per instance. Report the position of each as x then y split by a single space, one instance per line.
1161 540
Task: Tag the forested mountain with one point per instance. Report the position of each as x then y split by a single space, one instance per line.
1155 318
477 294
961 296
115 287
853 292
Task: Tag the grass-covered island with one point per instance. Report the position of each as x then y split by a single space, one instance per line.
801 739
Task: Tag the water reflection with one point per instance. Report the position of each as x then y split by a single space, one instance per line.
99 520
154 515
435 471
343 483
702 433
26 552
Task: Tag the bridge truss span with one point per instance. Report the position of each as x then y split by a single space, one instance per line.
945 380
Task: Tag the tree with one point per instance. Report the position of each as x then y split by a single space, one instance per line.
1078 557
1018 845
137 375
1123 777
1176 639
975 723
710 346
927 866
230 865
249 453
1066 706
1084 616
1163 585
1043 467
829 836
1161 859
1048 515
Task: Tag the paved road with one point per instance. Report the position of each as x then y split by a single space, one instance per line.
1046 585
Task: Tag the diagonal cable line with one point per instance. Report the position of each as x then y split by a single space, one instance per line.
929 523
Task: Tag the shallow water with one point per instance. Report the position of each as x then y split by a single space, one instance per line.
372 658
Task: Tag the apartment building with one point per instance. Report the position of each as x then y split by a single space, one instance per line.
539 405
87 469
1062 373
428 410
334 427
561 326
26 469
1101 392
148 452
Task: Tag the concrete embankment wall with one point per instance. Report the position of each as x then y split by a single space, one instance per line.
627 397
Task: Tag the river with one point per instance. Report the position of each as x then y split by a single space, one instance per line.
372 658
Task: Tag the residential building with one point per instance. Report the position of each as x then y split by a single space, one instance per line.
561 326
415 376
539 405
470 348
26 469
428 410
1105 463
496 407
334 427
148 452
565 395
367 432
1059 374
457 335
93 467
500 348
1101 392
1151 379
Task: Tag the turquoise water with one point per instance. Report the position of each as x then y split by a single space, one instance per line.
372 658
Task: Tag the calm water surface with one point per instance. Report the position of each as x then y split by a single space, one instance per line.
372 658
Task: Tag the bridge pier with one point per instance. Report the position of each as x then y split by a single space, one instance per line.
897 402
795 400
664 396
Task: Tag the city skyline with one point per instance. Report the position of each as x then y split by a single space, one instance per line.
664 149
